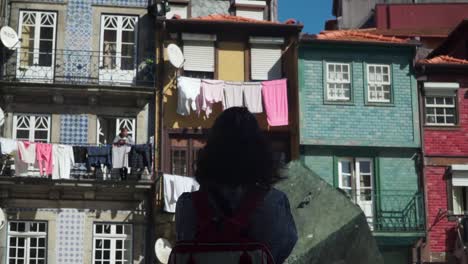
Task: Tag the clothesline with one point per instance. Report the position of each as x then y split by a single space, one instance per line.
201 94
58 159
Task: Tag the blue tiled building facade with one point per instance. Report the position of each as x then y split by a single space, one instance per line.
359 130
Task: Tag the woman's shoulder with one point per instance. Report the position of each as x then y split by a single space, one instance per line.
276 195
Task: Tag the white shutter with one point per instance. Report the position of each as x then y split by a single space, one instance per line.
266 62
199 56
181 10
257 14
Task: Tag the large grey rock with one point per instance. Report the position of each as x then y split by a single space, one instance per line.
331 228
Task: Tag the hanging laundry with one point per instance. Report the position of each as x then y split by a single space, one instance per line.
80 154
98 156
27 152
188 95
26 157
8 145
253 96
44 158
140 156
232 95
212 92
120 156
174 186
64 159
275 99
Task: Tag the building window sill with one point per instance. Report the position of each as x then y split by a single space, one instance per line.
376 104
435 127
338 103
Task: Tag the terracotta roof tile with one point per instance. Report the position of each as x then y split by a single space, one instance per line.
443 59
415 32
361 35
229 18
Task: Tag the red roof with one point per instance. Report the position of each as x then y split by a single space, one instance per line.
443 59
229 18
415 32
362 35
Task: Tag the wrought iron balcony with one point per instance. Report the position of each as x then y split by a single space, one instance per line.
393 211
76 67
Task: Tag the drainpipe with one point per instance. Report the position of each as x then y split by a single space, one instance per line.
423 161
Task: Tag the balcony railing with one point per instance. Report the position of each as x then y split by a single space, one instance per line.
393 211
78 172
76 67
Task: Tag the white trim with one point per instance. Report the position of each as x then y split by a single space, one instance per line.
444 107
440 88
31 126
459 175
459 167
246 3
338 81
379 85
199 37
266 40
27 235
113 237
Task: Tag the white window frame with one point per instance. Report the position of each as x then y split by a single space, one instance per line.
33 119
127 122
28 235
339 92
363 200
113 237
250 9
35 71
379 85
117 74
443 106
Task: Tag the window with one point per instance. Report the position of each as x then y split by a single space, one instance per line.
27 242
199 52
460 200
34 128
440 110
379 84
356 179
338 82
109 127
265 58
36 54
183 154
180 9
118 48
250 9
112 243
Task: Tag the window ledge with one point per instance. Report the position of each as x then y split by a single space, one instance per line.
436 127
338 103
383 104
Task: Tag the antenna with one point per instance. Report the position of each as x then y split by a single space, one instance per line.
163 249
9 37
176 57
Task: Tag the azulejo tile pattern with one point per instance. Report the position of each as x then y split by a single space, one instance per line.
208 7
74 129
70 236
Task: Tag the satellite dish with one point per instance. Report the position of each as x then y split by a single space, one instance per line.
9 37
2 117
163 249
2 219
176 57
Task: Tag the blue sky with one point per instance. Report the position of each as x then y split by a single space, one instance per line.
311 13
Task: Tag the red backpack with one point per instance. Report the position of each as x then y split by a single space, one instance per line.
222 242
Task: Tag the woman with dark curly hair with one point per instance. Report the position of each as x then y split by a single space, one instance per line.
236 162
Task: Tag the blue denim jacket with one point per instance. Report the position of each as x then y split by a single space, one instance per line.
271 224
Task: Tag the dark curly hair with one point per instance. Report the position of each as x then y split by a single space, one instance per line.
237 153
